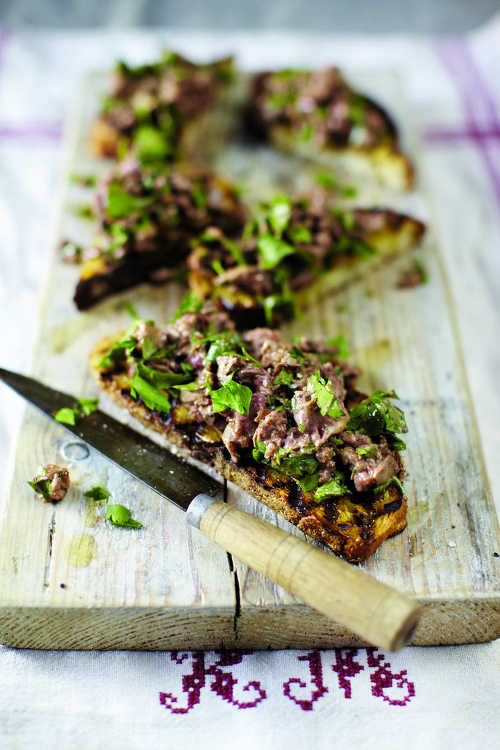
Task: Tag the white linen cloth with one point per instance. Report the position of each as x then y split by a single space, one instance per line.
434 697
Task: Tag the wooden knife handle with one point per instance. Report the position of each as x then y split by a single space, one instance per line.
374 611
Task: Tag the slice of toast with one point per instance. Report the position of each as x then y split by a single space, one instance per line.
255 295
164 110
352 525
147 217
317 115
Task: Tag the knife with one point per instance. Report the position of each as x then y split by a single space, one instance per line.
374 611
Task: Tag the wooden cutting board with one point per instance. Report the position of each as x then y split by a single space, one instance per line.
69 580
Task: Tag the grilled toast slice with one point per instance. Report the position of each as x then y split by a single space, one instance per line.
164 110
352 524
147 217
317 115
321 250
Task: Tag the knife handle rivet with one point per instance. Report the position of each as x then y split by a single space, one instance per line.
75 451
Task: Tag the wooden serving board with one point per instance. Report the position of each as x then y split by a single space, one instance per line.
69 580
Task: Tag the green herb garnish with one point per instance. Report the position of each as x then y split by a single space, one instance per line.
393 480
231 395
151 143
151 396
189 303
279 213
336 487
87 405
326 400
272 250
67 415
121 203
341 344
98 493
42 487
119 515
377 416
369 452
284 377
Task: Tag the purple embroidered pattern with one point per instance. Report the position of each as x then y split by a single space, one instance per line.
223 684
394 688
316 672
382 679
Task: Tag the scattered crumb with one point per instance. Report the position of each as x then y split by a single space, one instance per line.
51 482
62 585
413 276
495 554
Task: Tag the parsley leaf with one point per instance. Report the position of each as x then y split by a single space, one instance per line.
189 303
98 493
162 379
336 487
128 306
326 400
284 377
393 480
150 395
87 405
117 352
377 416
42 487
122 204
280 211
151 143
341 344
272 250
67 415
119 515
299 233
368 452
231 395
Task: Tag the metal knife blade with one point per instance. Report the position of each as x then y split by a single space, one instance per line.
170 476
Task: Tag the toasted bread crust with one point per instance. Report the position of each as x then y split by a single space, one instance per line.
352 530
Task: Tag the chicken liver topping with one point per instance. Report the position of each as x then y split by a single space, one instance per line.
263 400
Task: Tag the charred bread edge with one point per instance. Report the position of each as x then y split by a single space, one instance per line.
268 486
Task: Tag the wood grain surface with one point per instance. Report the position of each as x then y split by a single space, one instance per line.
69 580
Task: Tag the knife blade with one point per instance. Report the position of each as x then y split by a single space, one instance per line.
376 612
145 460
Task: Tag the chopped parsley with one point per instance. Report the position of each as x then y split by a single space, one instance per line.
189 303
128 306
231 395
341 344
121 203
272 250
299 233
393 480
42 487
117 351
369 452
150 395
284 377
326 401
279 213
67 416
98 493
119 515
336 487
151 143
71 416
376 416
